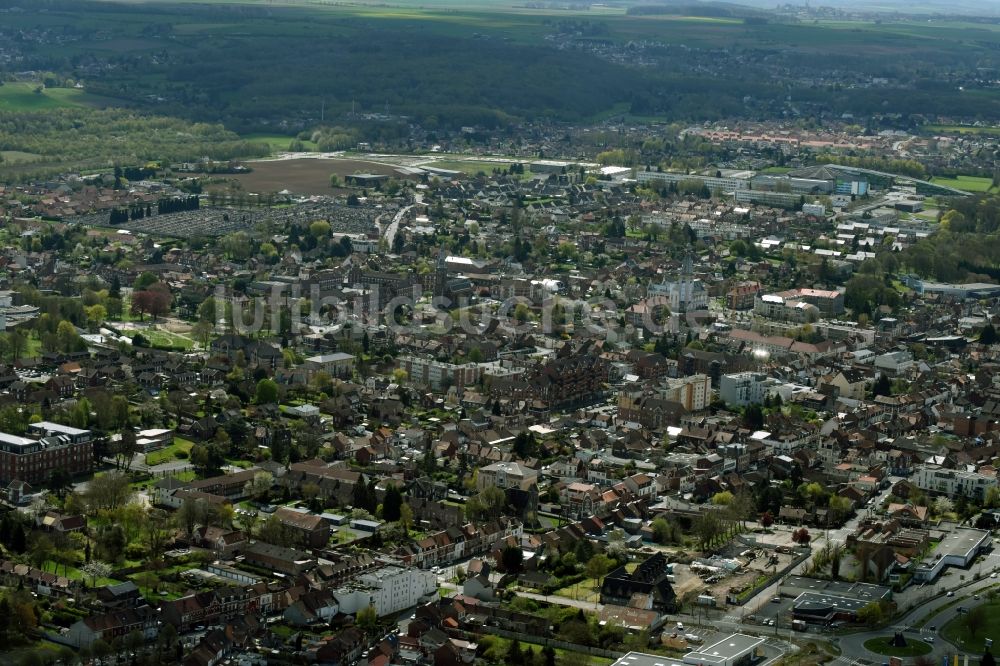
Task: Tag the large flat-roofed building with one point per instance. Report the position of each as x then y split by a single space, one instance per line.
730 651
958 548
727 183
828 303
733 650
47 429
823 601
779 199
33 460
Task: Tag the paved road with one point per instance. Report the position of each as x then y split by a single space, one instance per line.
139 465
935 599
390 232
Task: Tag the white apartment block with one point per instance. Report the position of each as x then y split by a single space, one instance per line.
744 388
390 590
505 475
774 306
954 482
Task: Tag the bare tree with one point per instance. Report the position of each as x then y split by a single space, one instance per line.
108 491
975 619
125 449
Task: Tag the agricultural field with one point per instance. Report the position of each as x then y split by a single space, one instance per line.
305 176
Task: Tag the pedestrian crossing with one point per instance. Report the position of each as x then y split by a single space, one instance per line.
731 618
848 661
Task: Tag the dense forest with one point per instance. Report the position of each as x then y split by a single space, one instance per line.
255 67
84 137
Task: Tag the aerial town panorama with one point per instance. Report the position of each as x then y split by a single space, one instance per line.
468 333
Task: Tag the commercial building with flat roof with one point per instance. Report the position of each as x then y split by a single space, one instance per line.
959 547
730 651
824 601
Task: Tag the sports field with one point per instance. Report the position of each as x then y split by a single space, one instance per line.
967 183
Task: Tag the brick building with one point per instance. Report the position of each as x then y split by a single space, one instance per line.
33 460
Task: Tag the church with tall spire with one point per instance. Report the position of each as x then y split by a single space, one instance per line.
684 292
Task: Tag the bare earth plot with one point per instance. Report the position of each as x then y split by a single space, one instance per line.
305 175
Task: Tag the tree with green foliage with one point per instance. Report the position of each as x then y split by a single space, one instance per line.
882 386
267 392
392 503
512 559
871 614
988 336
367 619
145 281
598 567
514 655
488 503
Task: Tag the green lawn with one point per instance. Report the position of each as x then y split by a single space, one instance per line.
278 142
967 183
582 591
158 337
73 573
963 129
957 631
914 647
22 97
168 454
498 647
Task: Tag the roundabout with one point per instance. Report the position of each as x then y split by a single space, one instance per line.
887 645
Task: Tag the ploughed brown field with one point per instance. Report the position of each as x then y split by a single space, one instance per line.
305 176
